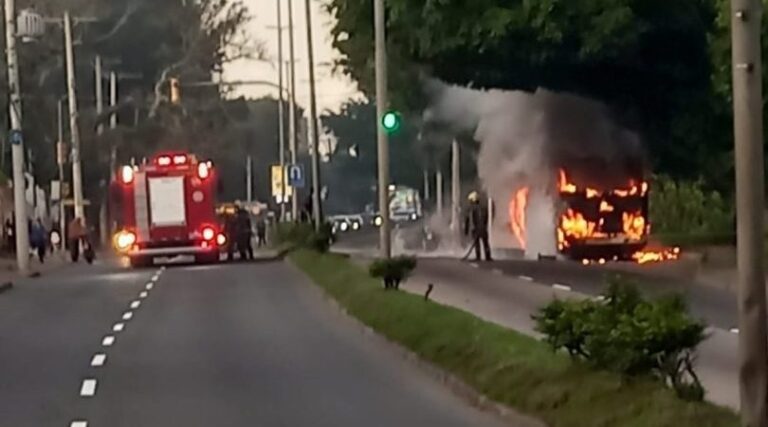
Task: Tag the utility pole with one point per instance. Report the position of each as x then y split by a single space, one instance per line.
99 92
17 149
439 192
455 189
280 106
748 132
249 179
61 159
292 134
99 89
317 211
77 176
426 184
385 242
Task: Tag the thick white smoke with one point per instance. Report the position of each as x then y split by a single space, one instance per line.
525 138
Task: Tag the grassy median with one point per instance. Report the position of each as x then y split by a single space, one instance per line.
504 365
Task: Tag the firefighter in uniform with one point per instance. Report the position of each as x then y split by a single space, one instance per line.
476 225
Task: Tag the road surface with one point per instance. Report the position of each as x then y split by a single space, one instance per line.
231 345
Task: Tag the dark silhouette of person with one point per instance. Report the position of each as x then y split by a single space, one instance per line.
230 230
244 234
261 232
476 223
38 237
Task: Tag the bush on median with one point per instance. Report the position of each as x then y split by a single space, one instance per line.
303 235
504 365
627 334
393 270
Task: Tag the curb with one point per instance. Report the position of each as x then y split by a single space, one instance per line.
452 382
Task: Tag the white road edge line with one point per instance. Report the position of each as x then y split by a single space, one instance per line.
88 388
108 341
135 304
561 287
526 278
149 286
143 294
78 424
118 327
98 359
128 315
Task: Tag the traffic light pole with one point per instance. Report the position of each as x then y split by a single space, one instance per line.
317 211
748 133
77 174
280 106
292 135
17 149
385 243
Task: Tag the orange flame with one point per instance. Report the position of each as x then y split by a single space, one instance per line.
633 225
606 207
517 207
649 256
565 186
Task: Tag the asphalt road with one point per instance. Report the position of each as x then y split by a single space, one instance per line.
229 345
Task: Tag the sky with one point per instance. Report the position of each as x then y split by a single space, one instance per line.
332 89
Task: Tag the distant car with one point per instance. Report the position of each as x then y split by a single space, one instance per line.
339 224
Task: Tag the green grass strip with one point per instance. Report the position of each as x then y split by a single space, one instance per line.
504 365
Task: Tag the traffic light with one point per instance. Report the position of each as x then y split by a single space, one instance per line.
175 91
391 122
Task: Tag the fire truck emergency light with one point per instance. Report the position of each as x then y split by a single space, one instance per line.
179 159
203 170
209 233
124 240
126 174
164 160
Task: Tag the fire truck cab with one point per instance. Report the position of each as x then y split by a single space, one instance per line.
166 209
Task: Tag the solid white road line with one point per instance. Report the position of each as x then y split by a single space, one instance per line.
79 424
118 327
150 286
108 341
135 304
88 388
561 287
98 359
128 315
143 294
526 278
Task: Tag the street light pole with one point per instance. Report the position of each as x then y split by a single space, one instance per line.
61 159
17 149
292 134
317 211
748 133
280 106
385 243
455 190
77 177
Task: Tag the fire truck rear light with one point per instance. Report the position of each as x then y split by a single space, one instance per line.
203 171
124 240
126 174
221 240
208 233
164 161
179 160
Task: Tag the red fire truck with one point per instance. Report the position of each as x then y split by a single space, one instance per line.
166 208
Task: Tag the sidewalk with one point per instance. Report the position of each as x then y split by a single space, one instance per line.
510 301
9 272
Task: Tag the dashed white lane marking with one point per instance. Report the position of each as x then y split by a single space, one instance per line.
108 341
149 286
561 287
118 327
155 277
88 388
135 304
734 330
98 359
143 294
79 424
526 278
128 315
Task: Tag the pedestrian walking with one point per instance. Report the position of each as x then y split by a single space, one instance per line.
476 225
38 237
76 233
261 232
10 234
244 234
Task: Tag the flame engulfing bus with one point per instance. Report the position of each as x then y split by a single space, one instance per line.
594 223
166 208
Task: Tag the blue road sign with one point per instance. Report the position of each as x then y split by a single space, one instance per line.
15 137
296 176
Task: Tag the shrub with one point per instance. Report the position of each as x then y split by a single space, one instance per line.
304 235
628 334
393 270
688 208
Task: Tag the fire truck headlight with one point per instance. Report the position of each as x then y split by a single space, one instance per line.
221 240
126 174
124 240
208 233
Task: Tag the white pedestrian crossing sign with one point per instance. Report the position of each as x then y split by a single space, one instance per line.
296 176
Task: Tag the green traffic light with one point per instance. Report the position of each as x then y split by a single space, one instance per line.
391 121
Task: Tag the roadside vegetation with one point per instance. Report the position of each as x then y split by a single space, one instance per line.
506 366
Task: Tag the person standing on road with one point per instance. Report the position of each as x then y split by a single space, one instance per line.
76 233
476 223
261 232
244 234
38 237
10 235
